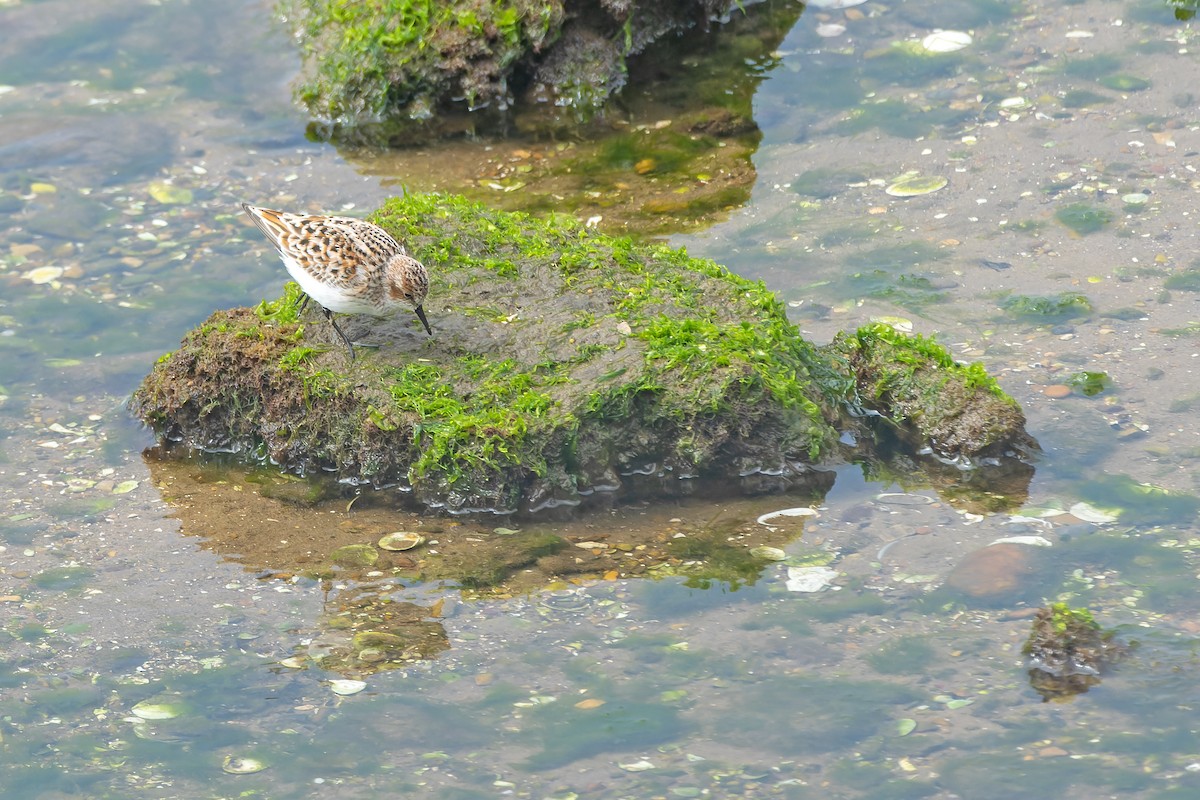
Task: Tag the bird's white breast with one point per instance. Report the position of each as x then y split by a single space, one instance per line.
349 300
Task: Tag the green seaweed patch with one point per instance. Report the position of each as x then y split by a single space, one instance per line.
62 579
1083 98
709 557
1124 83
914 351
651 152
1090 383
1187 280
648 286
906 291
622 724
1141 503
1084 218
1060 306
284 310
834 606
898 118
1092 67
460 433
1191 329
854 233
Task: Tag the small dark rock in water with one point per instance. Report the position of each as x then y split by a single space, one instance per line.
1068 651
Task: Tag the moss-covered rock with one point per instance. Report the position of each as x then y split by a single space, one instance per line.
1068 651
565 365
958 410
405 62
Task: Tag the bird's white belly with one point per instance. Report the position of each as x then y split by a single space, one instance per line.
349 300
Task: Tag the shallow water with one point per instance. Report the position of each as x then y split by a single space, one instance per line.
129 137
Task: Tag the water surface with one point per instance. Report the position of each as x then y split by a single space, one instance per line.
1063 243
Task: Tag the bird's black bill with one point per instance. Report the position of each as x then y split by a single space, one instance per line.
421 316
329 316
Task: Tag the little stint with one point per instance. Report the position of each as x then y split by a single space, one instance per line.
347 265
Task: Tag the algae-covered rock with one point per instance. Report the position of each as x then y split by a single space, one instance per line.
958 410
1068 651
354 555
564 366
407 61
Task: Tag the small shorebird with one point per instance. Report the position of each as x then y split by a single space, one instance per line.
347 265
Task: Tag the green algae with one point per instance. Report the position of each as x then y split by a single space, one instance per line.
1140 503
1083 98
354 556
1084 218
1186 280
1049 308
898 118
622 724
1093 67
62 579
1090 383
1124 83
644 284
913 354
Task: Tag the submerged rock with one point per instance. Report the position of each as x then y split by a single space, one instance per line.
565 366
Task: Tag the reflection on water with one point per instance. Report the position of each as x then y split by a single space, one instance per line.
138 663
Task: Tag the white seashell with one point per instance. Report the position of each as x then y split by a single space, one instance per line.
1038 541
154 711
236 765
401 540
803 511
344 686
1089 513
946 41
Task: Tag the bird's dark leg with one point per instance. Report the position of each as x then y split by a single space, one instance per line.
303 304
329 316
